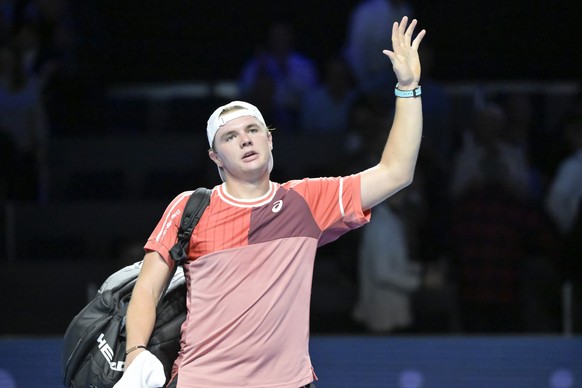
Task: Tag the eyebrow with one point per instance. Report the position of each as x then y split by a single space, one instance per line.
249 126
226 134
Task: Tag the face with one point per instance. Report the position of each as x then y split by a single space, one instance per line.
242 148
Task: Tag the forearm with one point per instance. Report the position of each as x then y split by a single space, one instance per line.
401 151
141 315
141 312
142 368
140 320
396 167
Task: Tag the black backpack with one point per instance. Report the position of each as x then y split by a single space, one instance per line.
94 342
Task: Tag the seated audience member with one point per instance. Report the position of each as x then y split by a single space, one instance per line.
368 31
565 192
291 72
325 109
387 275
524 133
496 233
564 205
22 123
388 269
484 139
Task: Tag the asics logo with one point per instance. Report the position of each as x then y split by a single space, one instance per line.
277 206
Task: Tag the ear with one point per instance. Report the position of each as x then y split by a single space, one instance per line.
270 138
215 158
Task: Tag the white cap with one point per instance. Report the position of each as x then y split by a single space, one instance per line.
217 120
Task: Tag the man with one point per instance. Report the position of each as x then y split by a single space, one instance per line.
252 253
563 204
367 33
278 76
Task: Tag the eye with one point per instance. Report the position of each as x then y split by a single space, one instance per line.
253 130
229 137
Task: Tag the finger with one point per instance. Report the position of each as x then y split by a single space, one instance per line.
395 37
418 39
409 32
402 26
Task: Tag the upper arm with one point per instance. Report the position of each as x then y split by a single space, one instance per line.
153 275
378 183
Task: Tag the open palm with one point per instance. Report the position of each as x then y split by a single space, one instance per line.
404 54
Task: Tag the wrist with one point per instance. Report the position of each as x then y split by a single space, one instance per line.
410 86
130 357
134 348
407 93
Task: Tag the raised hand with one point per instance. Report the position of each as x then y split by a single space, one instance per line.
404 54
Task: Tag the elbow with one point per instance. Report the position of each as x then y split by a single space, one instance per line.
407 181
404 180
402 174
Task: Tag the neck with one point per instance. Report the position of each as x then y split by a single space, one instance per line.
246 189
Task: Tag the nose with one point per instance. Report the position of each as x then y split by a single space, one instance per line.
245 140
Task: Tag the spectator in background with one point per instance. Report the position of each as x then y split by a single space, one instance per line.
368 32
523 134
43 32
388 273
364 122
262 92
281 72
483 139
50 16
26 39
520 116
7 10
435 157
325 108
437 143
496 232
388 276
563 203
565 193
23 125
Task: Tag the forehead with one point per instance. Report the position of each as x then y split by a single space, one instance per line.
240 123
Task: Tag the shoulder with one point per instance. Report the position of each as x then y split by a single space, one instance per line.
369 5
322 183
571 166
180 200
299 59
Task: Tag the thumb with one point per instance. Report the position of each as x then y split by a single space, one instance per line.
390 55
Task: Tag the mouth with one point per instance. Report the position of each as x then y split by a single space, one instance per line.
249 155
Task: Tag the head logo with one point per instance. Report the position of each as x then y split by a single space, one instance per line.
107 352
277 206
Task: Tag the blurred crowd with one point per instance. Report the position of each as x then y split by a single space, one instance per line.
485 240
36 55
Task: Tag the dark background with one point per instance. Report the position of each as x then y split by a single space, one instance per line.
126 41
123 42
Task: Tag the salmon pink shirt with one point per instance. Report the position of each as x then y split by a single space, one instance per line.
249 280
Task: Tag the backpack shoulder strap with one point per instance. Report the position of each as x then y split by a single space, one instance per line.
193 210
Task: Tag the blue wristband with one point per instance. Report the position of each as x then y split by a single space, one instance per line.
407 93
